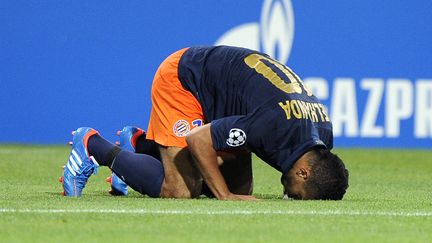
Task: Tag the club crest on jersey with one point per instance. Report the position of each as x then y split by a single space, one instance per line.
181 128
237 137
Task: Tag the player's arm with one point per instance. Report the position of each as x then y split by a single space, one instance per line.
201 146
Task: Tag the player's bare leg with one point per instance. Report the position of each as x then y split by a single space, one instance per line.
182 177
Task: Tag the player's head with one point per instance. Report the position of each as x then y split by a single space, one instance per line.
318 174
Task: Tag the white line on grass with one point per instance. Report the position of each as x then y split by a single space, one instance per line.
222 212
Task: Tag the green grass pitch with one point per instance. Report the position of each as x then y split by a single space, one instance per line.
389 200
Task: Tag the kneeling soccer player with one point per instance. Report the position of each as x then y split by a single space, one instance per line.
207 100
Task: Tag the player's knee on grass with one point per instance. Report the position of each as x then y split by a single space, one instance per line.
182 178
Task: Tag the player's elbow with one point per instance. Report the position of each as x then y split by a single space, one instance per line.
199 139
193 137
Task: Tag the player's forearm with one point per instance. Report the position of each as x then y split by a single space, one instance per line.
201 147
214 179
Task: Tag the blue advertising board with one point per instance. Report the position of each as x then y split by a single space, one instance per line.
65 64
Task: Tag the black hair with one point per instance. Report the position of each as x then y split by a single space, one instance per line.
329 177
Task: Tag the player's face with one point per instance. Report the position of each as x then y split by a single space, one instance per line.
293 186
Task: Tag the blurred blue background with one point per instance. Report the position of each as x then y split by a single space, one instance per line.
66 64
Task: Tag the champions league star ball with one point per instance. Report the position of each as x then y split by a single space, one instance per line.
237 137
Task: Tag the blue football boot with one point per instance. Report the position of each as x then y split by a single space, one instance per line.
128 137
80 165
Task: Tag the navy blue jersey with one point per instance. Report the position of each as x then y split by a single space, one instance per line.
253 101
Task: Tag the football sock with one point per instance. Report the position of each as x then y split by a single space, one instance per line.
103 151
145 146
141 172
